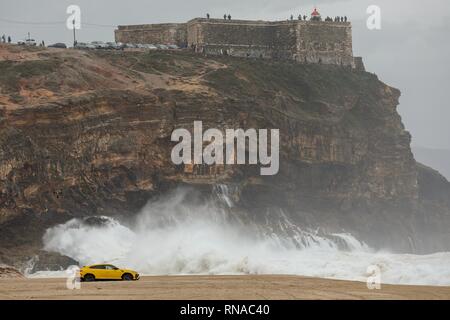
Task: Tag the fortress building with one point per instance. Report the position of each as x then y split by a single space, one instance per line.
312 41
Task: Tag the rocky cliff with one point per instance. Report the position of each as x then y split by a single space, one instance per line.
88 133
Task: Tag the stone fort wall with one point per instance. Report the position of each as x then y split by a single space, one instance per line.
163 33
242 38
324 42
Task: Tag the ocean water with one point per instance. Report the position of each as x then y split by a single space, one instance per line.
170 238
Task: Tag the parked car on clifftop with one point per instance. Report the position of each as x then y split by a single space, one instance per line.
28 42
58 45
99 45
83 45
107 272
112 46
151 46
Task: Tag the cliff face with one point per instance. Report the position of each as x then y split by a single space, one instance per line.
84 133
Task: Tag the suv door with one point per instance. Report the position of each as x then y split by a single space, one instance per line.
112 272
99 271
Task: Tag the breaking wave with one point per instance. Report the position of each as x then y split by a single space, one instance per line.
174 236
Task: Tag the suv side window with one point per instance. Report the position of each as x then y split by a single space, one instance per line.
109 267
98 267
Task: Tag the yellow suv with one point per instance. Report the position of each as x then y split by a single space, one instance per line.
107 272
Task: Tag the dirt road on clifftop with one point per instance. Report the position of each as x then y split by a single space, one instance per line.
215 287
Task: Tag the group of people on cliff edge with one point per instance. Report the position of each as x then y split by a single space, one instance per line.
336 19
4 39
225 16
314 17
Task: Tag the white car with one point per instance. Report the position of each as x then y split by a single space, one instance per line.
99 44
151 46
84 45
28 42
80 45
112 46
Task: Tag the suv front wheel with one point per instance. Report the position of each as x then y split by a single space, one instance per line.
127 277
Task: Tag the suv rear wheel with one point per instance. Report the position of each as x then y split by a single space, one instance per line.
89 277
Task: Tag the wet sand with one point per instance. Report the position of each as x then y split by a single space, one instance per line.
215 287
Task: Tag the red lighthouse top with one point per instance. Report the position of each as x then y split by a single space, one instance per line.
315 13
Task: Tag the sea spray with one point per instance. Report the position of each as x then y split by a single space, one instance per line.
177 236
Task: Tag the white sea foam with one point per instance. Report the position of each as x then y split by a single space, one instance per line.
169 237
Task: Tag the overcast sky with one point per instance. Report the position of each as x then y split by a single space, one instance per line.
410 52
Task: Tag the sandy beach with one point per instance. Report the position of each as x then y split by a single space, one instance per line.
258 287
